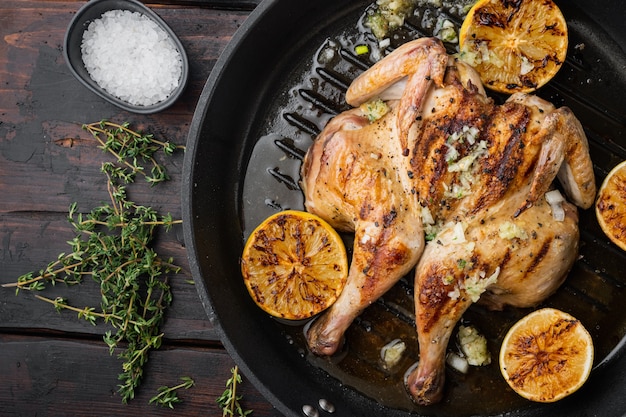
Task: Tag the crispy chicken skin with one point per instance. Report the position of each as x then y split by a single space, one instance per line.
362 187
445 158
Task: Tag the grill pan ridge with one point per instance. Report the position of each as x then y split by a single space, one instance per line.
247 139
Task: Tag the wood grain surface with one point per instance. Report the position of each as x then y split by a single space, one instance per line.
54 364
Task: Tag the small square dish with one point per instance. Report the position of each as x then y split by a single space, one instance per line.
125 53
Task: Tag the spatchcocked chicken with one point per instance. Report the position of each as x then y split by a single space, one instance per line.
453 185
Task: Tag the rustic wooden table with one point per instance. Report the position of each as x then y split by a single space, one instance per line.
55 363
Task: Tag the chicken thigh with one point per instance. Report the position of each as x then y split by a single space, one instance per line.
448 166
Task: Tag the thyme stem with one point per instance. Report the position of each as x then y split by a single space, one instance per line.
167 396
229 401
113 244
61 303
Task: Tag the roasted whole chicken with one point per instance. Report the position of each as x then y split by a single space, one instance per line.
451 185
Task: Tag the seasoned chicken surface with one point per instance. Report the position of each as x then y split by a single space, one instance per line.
447 164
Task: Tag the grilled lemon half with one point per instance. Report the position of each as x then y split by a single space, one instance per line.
546 355
294 265
516 46
611 205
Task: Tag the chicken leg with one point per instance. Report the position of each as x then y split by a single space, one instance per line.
491 265
356 176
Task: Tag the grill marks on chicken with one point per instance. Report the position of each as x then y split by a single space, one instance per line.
496 270
505 166
479 170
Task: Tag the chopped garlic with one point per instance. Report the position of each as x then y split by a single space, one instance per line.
427 217
471 131
452 233
509 230
558 213
554 196
454 137
459 233
369 231
445 31
474 346
457 362
463 164
455 294
456 191
452 154
469 57
388 15
477 284
555 199
374 109
392 352
431 230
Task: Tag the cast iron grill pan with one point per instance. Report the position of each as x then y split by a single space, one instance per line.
265 102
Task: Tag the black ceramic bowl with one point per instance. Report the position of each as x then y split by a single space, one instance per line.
93 10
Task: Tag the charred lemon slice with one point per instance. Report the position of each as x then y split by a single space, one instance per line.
294 265
516 46
546 356
611 205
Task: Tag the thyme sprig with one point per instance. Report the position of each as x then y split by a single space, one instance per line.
168 396
132 149
113 246
229 401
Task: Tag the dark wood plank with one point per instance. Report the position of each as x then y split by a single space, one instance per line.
42 104
40 175
30 240
57 377
55 364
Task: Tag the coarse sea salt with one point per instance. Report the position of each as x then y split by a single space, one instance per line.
131 57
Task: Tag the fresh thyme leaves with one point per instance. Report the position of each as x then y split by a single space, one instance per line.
113 246
129 147
168 396
88 313
229 400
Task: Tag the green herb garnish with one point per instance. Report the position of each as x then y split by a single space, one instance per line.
113 246
131 149
229 400
168 396
361 49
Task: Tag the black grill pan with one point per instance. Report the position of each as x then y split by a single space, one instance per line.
279 80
